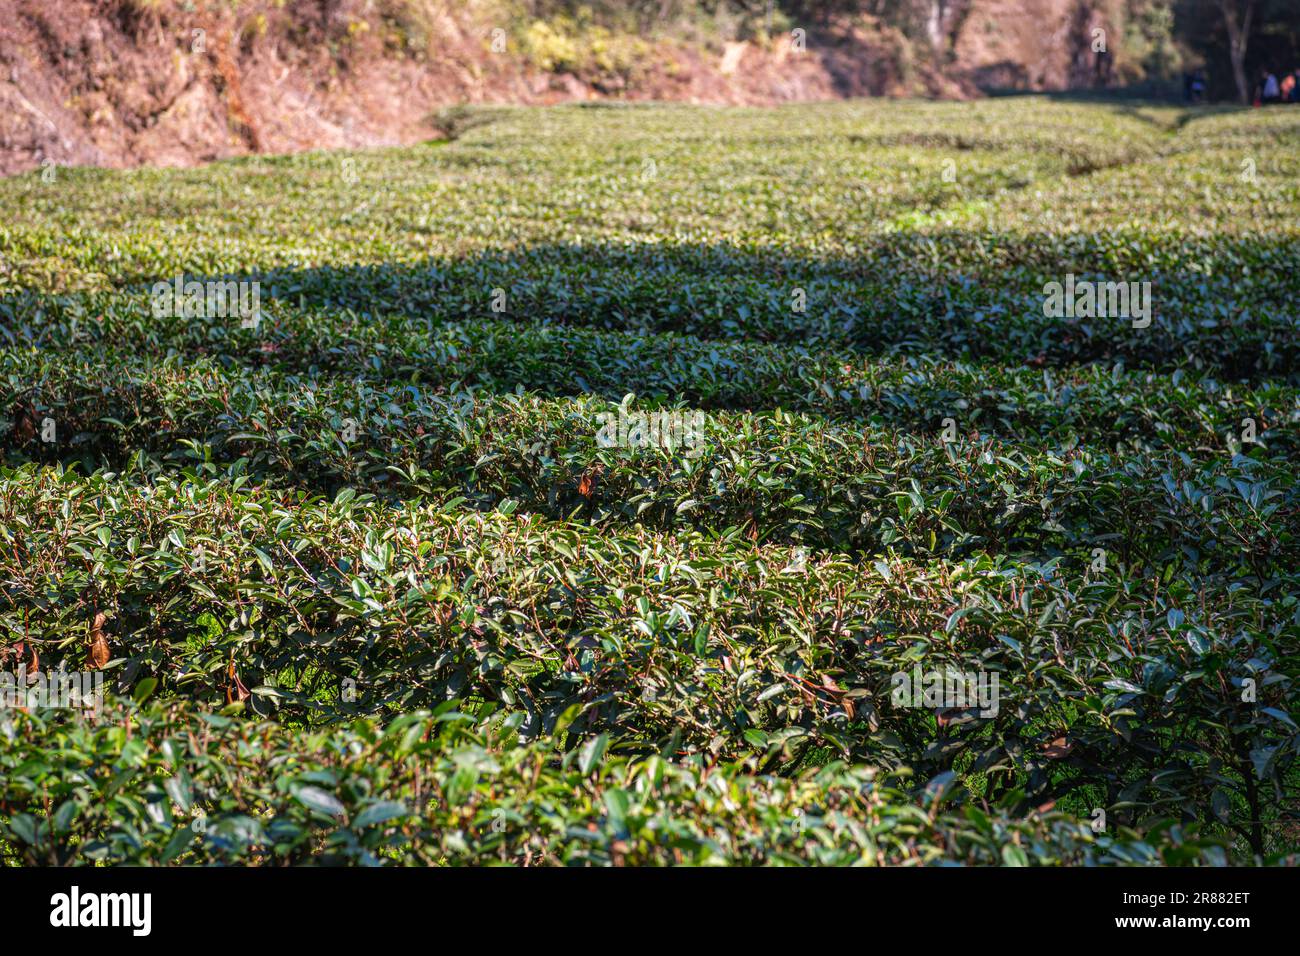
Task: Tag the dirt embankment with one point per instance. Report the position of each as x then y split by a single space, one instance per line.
123 82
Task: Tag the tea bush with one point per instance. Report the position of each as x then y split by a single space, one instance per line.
375 589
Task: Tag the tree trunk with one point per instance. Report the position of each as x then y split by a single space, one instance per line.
942 20
934 27
1238 34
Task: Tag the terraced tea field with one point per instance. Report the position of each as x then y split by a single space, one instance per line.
599 486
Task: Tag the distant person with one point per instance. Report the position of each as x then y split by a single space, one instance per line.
1269 92
1286 89
1198 86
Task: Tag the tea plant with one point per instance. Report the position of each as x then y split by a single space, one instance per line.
372 579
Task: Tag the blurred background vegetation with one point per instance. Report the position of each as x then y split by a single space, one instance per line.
1152 43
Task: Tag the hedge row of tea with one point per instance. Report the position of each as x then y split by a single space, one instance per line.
165 785
380 578
1222 503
